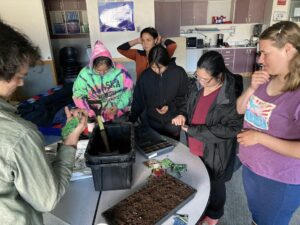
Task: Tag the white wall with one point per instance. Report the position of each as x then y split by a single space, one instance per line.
29 17
143 17
218 8
272 7
282 8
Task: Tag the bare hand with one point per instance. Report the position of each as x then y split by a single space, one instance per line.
258 78
82 115
138 40
178 120
162 110
184 128
248 137
158 40
111 112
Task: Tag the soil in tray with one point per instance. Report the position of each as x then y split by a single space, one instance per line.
161 197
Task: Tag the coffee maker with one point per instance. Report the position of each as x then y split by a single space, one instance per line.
220 41
257 28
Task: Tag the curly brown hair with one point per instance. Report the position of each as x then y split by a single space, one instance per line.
16 50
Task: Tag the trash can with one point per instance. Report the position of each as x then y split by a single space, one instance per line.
111 170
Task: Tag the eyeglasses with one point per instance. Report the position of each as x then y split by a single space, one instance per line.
202 79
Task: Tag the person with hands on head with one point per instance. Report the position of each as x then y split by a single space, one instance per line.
160 92
103 81
211 123
149 37
270 142
29 184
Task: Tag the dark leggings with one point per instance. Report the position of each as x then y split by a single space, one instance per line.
217 198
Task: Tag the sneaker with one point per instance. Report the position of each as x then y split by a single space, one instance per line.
209 221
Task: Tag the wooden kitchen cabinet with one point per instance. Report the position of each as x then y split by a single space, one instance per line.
53 5
244 60
237 60
228 55
193 12
249 11
167 20
171 14
74 5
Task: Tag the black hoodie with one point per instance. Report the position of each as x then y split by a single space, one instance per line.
154 91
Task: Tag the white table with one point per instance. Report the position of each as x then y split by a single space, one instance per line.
79 204
196 176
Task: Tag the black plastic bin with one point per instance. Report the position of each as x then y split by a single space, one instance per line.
112 170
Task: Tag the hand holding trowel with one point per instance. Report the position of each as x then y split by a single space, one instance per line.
96 106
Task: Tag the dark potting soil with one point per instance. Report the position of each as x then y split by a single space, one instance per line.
152 204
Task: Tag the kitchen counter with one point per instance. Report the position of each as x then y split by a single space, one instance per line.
238 58
230 47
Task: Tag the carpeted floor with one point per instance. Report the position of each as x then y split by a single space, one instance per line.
236 210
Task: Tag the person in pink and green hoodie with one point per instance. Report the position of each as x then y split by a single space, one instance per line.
105 81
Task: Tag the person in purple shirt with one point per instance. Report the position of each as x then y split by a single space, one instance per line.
270 142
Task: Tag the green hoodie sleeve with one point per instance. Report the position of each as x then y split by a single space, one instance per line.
80 92
126 96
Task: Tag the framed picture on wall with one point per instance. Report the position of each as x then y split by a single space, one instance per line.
116 16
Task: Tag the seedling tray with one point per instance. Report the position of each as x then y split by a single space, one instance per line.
150 143
153 204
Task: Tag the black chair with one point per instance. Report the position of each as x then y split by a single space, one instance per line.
70 67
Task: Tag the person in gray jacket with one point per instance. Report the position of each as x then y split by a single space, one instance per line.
211 124
29 185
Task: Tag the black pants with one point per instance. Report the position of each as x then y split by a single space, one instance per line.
217 198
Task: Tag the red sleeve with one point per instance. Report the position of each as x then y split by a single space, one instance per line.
170 46
125 50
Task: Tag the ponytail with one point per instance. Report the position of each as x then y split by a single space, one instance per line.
293 77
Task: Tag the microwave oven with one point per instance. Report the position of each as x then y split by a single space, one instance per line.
191 42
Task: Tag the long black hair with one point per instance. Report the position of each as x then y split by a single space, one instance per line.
213 63
159 55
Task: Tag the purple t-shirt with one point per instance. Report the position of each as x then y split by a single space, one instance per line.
278 116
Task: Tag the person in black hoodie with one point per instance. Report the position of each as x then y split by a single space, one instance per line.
160 93
211 123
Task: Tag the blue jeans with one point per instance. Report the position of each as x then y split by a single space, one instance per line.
270 202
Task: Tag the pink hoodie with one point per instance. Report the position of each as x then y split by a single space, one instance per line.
113 88
101 50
